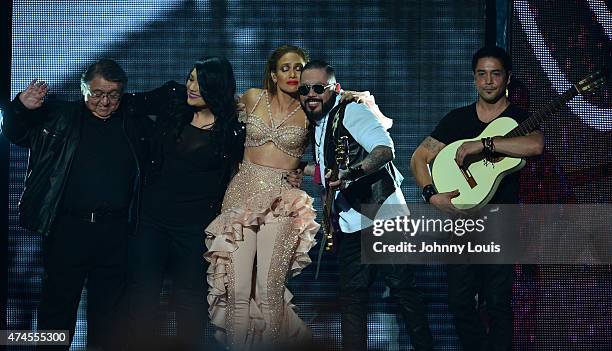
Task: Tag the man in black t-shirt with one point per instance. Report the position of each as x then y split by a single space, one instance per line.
492 72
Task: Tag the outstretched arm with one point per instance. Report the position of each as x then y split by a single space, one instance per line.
24 113
157 102
33 96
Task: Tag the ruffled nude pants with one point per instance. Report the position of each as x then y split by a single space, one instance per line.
262 237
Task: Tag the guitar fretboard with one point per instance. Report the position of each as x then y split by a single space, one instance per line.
535 119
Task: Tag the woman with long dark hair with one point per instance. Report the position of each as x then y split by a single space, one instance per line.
197 144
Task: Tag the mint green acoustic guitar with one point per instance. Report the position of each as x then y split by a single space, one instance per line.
478 179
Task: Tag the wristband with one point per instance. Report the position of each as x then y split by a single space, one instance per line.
488 146
428 192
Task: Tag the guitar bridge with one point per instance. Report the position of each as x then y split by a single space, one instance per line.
467 175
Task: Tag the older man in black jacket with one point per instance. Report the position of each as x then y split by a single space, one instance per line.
81 193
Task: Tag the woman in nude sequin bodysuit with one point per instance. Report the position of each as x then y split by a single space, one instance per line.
266 227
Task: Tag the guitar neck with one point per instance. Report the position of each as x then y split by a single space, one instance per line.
333 177
539 116
329 201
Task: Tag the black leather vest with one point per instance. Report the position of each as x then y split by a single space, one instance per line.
370 190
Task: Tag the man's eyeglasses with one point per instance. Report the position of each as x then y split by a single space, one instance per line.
304 89
99 95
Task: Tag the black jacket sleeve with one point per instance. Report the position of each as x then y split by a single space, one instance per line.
156 103
18 122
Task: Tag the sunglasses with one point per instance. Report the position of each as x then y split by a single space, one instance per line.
304 89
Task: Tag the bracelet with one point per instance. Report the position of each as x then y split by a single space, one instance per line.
428 192
488 146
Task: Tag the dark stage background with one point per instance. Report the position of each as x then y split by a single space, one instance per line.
415 57
555 44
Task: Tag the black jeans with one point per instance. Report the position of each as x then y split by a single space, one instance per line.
493 284
76 251
178 249
355 281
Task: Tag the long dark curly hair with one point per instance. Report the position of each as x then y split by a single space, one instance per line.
218 88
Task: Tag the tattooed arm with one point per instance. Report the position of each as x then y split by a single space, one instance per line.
376 159
422 157
419 164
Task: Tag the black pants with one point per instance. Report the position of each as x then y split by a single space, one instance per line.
493 284
77 251
155 249
355 281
